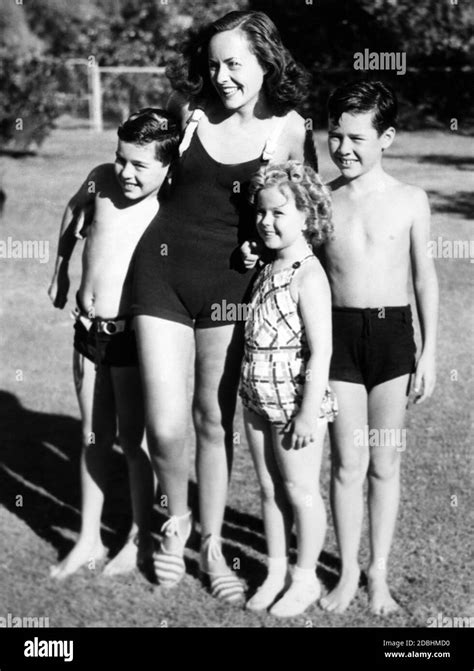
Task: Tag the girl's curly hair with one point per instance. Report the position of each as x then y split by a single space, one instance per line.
285 83
309 192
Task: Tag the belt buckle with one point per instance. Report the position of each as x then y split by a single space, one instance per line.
109 327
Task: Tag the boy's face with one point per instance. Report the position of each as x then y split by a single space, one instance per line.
354 144
279 222
138 171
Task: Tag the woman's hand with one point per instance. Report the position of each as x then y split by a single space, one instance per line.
250 255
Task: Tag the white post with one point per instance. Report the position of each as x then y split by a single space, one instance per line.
95 98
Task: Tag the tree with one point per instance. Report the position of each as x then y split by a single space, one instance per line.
30 103
121 32
324 35
15 33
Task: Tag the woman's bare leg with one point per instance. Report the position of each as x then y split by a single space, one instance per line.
218 358
165 348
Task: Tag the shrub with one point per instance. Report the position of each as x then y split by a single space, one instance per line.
30 102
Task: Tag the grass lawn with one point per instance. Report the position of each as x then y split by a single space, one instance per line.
39 425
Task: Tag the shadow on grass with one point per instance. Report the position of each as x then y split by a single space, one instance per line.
39 483
459 162
446 160
17 153
39 474
460 203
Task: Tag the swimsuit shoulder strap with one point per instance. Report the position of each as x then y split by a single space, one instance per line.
306 258
296 265
190 129
272 140
270 144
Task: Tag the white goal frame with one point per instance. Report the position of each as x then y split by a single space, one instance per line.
94 85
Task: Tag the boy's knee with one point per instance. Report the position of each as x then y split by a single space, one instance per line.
386 468
350 471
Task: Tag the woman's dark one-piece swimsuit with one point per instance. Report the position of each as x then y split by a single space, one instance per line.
188 260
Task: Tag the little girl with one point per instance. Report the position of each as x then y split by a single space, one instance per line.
284 376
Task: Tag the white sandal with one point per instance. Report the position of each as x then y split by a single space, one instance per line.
169 566
225 586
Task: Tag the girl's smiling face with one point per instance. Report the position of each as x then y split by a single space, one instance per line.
279 223
234 70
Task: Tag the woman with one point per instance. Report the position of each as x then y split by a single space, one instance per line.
237 91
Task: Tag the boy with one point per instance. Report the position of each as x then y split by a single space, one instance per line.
381 225
113 207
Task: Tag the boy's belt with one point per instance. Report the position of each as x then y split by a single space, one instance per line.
108 326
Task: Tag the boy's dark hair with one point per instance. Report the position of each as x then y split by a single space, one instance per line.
365 96
152 124
285 83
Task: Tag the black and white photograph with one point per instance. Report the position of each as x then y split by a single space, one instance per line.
237 312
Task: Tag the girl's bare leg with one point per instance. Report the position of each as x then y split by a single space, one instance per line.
300 472
277 513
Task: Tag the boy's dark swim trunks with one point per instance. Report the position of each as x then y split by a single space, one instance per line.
98 341
119 349
372 345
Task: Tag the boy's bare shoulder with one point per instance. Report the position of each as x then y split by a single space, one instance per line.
414 197
103 183
412 191
98 179
102 175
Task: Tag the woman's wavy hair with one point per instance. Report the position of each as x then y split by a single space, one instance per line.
285 83
310 194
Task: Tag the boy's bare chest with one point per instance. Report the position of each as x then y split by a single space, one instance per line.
369 226
119 229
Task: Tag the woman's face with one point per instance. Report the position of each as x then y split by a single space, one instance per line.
234 70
